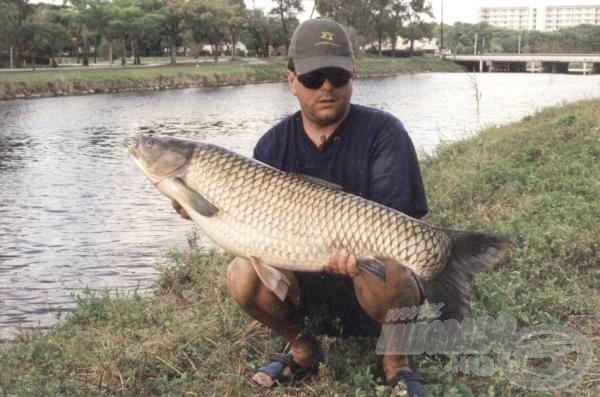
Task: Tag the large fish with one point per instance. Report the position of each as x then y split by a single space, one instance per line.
288 221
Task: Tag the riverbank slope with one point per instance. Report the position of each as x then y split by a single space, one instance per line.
85 81
536 181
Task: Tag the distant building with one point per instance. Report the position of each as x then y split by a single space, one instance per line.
518 18
544 18
565 16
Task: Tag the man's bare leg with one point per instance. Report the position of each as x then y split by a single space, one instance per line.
399 290
246 288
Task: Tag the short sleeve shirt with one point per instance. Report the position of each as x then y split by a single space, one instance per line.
370 155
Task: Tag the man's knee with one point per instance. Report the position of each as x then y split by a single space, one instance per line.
242 282
399 290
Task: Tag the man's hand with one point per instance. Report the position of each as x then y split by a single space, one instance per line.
179 209
343 263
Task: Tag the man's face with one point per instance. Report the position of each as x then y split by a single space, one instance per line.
324 105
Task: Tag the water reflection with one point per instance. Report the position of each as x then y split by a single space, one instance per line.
76 212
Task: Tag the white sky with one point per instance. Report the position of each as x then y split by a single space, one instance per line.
454 10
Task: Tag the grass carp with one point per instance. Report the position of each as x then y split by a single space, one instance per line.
279 220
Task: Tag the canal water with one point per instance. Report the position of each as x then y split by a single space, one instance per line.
75 212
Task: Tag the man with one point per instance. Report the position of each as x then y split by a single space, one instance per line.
369 154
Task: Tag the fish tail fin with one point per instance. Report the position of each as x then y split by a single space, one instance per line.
471 253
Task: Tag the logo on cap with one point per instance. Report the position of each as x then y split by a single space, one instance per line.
327 36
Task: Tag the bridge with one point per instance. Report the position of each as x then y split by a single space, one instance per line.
544 63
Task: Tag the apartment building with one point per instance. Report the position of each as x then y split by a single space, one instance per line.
548 17
564 16
507 17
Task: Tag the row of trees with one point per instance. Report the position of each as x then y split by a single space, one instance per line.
464 38
150 26
153 27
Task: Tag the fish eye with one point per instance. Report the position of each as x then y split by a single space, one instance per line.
149 142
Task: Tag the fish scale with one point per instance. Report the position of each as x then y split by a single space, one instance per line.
291 217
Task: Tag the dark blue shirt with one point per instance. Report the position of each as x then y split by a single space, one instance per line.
370 155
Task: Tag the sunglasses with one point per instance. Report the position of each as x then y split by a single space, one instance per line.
313 80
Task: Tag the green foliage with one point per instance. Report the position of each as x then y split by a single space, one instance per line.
492 39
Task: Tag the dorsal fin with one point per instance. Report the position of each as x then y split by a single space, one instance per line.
319 181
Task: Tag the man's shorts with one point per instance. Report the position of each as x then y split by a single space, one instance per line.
328 306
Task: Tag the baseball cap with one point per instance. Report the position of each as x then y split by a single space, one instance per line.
320 43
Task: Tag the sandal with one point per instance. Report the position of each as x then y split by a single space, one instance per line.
414 383
275 371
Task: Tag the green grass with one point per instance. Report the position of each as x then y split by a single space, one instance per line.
66 81
536 181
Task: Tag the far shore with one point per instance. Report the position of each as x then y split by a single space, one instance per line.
156 76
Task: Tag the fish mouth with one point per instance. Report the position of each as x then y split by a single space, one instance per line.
147 168
133 148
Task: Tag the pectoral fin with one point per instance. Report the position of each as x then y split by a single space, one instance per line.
372 266
274 279
188 196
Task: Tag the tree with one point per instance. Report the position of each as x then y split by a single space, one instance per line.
84 22
379 14
13 15
112 27
144 25
32 33
417 28
260 32
174 14
10 21
235 23
398 10
208 23
55 36
287 11
354 14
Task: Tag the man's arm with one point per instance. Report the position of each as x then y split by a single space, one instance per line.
395 176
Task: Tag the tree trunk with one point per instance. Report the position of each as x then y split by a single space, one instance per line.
124 54
233 45
86 50
12 60
412 46
137 54
33 59
132 44
379 44
17 56
285 32
215 51
110 53
394 44
173 50
52 59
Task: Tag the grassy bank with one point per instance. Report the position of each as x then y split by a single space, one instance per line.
70 81
536 181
